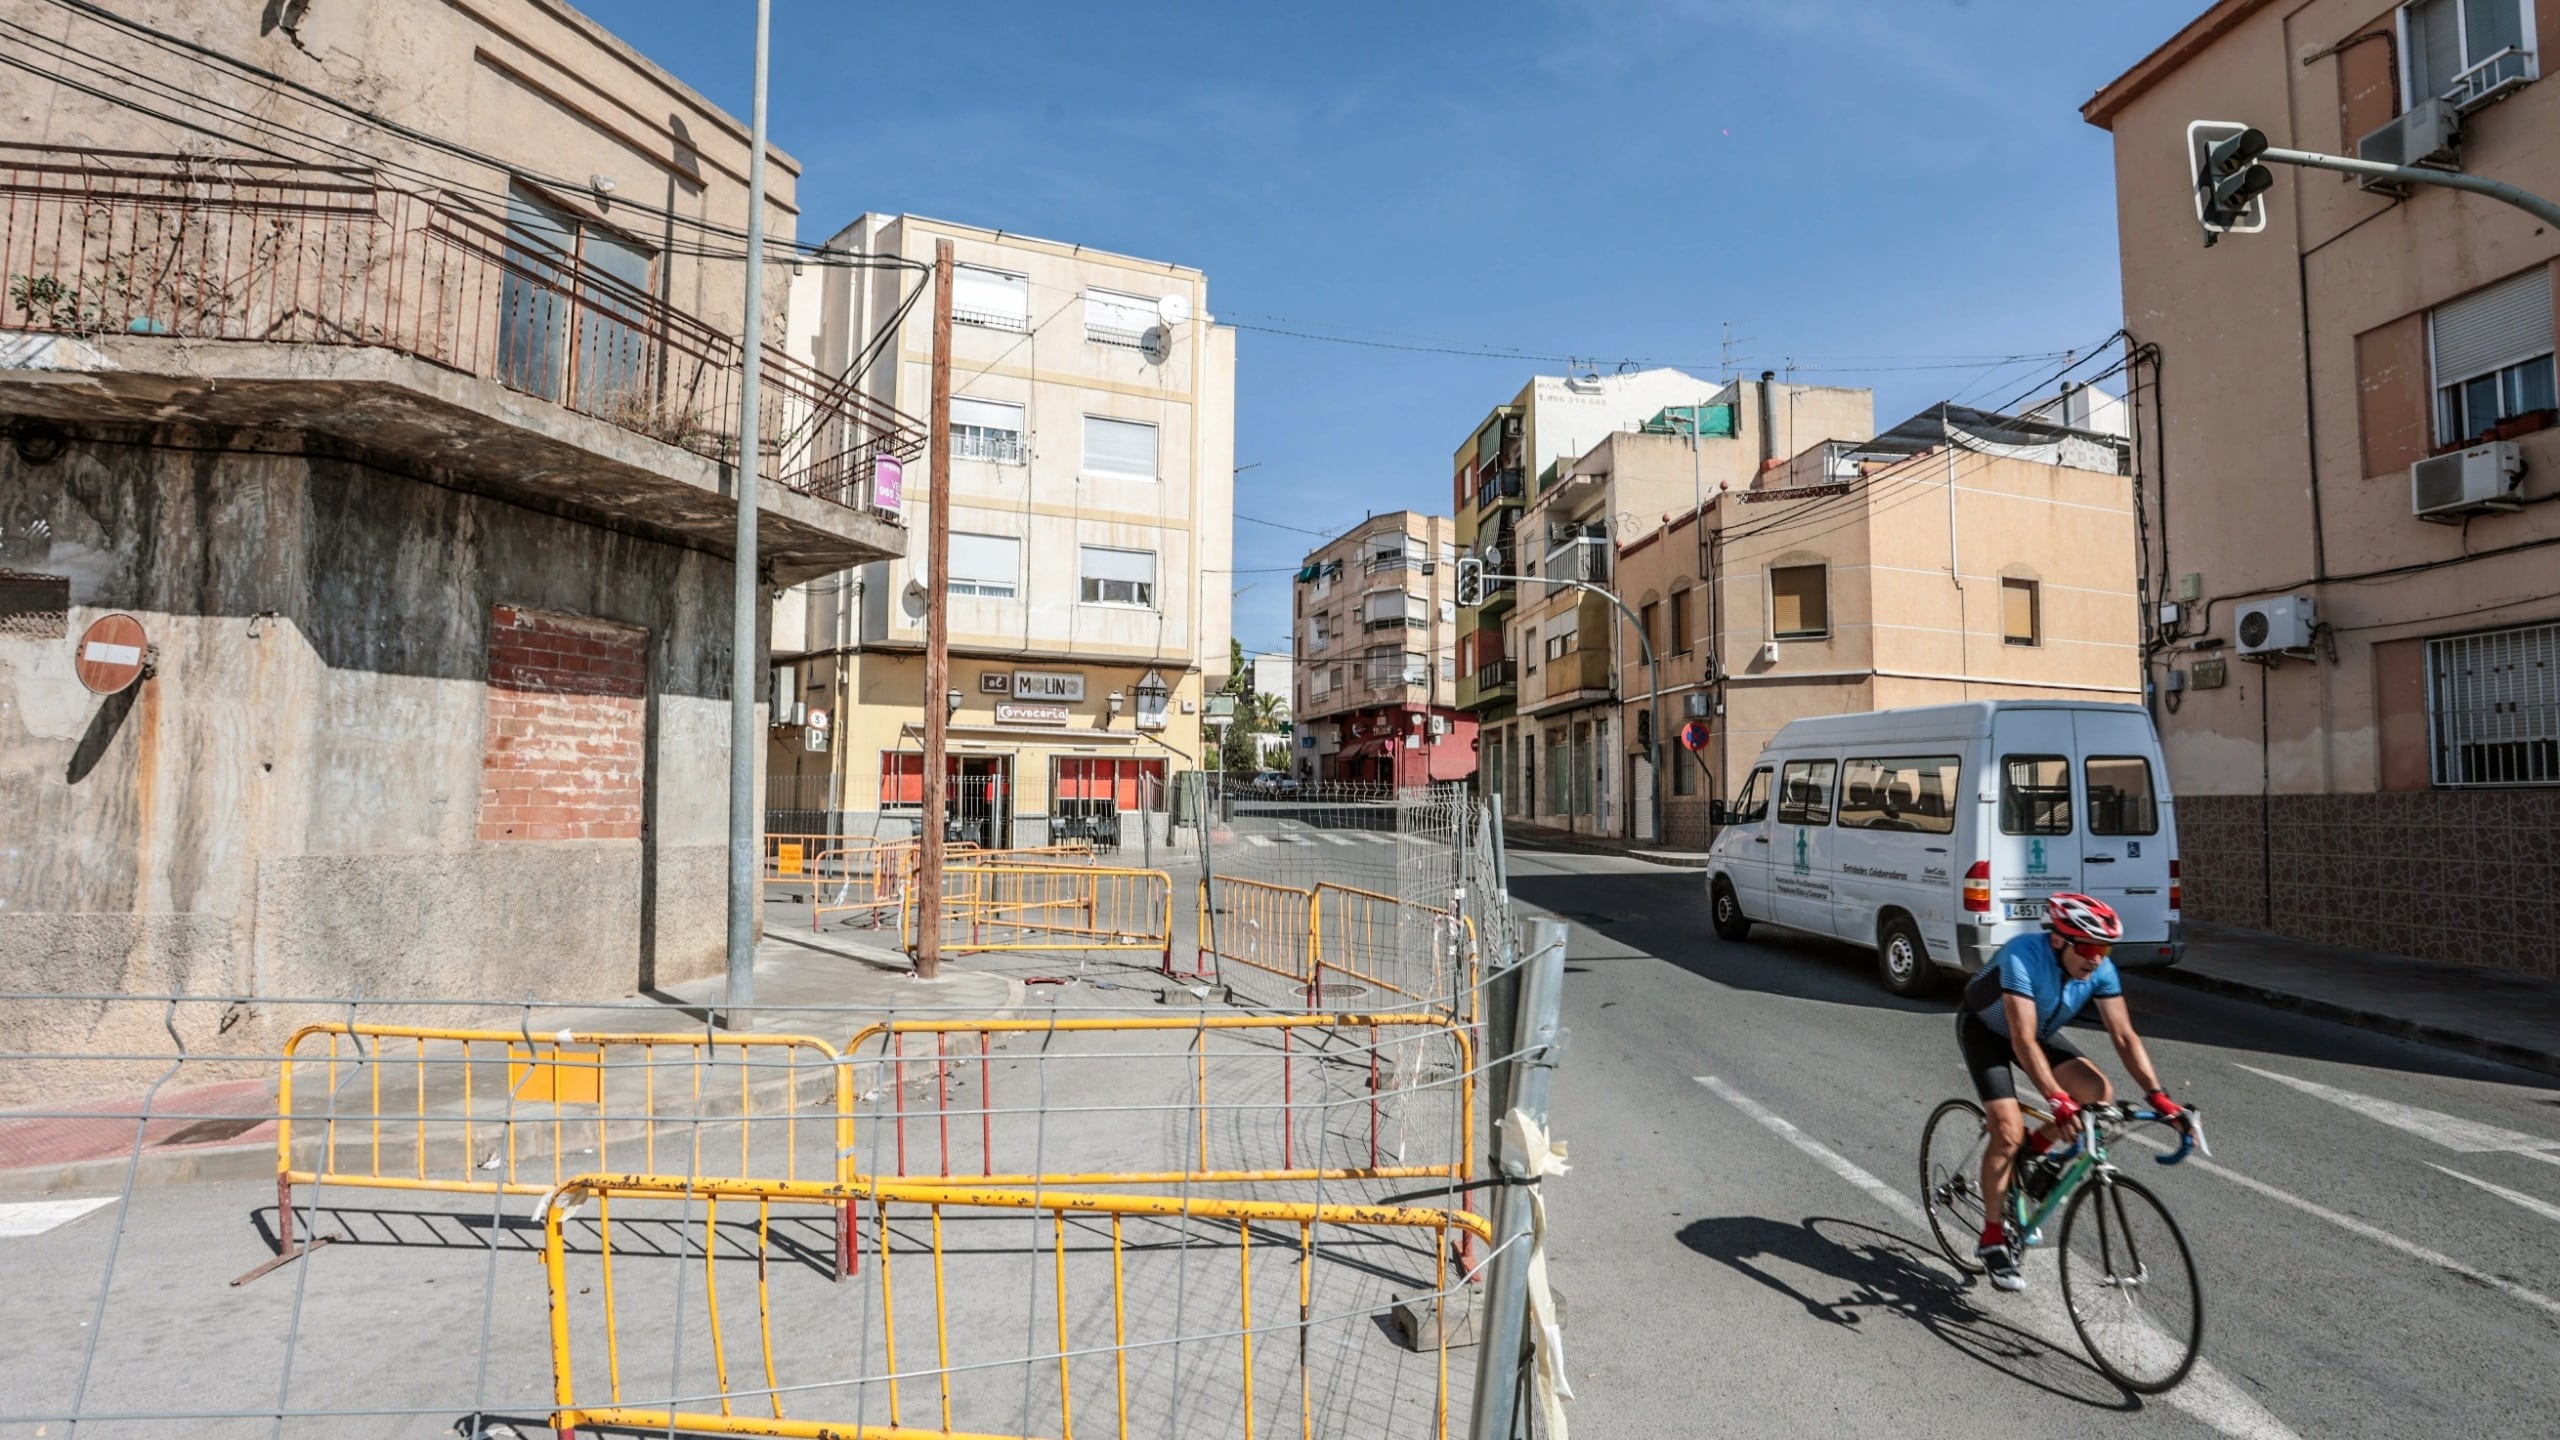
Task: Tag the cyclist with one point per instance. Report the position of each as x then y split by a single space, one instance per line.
2012 1018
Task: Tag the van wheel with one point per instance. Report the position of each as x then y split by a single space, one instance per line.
1908 970
1730 922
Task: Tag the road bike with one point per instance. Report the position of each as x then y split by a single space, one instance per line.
2128 1278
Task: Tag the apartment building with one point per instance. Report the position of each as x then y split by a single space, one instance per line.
1960 555
1376 617
2352 585
1563 757
388 432
1092 525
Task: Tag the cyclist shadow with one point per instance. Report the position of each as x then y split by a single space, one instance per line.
1886 1274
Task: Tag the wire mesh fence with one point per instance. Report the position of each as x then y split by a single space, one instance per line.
1201 1207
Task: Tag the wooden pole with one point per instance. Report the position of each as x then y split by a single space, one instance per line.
937 630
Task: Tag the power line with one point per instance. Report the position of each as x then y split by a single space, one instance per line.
1596 361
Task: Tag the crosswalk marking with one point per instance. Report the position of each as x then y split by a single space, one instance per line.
1262 840
1333 840
34 1217
2450 1131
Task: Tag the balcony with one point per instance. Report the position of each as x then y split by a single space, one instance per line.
1499 595
399 322
1494 683
1576 676
1499 486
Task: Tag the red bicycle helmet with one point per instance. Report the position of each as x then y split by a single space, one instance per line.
2082 919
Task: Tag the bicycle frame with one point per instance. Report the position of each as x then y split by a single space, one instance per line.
2087 1156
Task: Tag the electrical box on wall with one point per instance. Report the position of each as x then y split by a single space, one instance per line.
2190 588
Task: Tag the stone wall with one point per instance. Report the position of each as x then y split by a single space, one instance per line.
2471 876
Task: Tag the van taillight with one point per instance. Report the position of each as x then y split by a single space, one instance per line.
1977 886
2176 890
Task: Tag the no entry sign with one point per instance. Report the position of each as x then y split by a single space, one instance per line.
110 654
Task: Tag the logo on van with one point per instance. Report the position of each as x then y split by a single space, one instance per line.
1804 862
2035 857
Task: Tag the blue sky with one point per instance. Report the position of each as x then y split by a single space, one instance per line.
1876 189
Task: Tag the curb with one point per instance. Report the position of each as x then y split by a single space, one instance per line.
1670 861
2400 1027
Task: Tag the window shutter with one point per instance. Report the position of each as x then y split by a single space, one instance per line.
1103 564
1119 447
986 414
990 297
1118 316
986 559
2493 328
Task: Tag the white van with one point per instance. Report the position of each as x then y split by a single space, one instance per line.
1933 834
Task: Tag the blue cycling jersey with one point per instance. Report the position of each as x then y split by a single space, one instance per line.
2029 966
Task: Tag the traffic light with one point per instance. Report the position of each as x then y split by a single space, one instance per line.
2230 183
1470 581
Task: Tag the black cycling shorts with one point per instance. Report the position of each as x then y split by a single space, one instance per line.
1988 1055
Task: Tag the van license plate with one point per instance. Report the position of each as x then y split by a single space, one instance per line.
2026 909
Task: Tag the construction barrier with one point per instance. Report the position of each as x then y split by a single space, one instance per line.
1254 922
874 879
1325 1063
966 1264
992 906
498 1111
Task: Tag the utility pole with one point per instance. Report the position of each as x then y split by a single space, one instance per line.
937 631
747 590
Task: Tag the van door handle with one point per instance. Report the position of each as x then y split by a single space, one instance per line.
1759 839
1937 849
2098 859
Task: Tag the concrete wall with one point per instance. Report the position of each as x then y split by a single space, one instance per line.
2288 428
297 801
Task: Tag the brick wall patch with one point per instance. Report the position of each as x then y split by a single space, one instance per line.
566 732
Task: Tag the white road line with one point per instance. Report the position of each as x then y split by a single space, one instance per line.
1376 839
2205 1395
1262 840
2450 1131
1333 840
34 1217
2543 1208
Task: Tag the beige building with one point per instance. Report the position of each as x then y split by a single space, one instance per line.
1092 525
1961 555
2348 423
392 406
1565 759
1376 619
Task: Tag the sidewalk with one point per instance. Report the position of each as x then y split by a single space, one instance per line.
1542 837
825 987
2495 1014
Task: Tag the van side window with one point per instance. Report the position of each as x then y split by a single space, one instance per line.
1901 793
1804 792
2121 801
1752 805
2035 795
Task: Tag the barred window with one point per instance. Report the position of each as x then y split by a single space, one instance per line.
2494 706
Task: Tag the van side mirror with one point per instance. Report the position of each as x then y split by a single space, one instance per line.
1719 813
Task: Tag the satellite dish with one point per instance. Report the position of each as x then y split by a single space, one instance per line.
1156 344
1173 310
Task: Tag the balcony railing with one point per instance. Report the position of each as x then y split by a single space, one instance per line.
98 243
1499 486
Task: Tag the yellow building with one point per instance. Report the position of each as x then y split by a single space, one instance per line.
1092 525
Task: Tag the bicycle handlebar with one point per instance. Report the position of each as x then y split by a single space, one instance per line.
2190 1134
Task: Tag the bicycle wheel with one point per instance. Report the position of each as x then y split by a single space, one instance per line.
2131 1285
1951 1181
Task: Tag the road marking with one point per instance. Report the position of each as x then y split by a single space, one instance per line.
2205 1395
1333 840
1377 839
2543 1208
1262 840
2450 1131
34 1217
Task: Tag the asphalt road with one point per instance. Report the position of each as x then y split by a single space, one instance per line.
2379 1233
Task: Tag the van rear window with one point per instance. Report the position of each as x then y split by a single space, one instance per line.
1899 793
2035 795
2121 800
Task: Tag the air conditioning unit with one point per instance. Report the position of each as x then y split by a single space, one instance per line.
1439 724
2269 626
2425 134
2444 488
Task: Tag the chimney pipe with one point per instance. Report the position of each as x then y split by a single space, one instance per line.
1768 422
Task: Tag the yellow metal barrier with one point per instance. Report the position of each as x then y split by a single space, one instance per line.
990 906
875 878
1269 927
1305 1040
1358 937
506 1110
979 1375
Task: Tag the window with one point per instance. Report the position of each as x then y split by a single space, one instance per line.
1560 644
1529 649
986 430
1119 447
993 299
569 303
1899 794
1115 319
2494 704
1680 622
1322 635
1805 796
2465 50
2121 800
1394 610
2493 356
2035 795
1799 602
1684 769
1752 805
2019 613
1321 686
1118 577
988 565
1652 616
1335 677
1449 667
